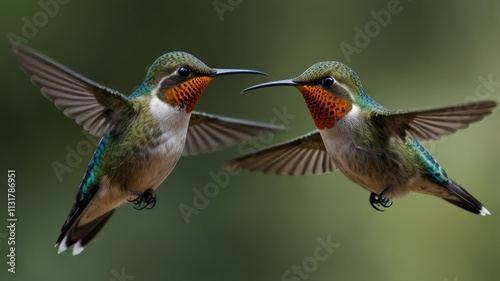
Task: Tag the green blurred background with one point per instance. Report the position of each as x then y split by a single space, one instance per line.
259 226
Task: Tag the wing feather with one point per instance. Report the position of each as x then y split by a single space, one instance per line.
305 155
88 102
209 132
433 124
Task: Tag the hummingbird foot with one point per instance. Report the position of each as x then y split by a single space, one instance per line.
148 198
377 200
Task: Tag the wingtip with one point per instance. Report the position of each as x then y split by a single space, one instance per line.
230 166
493 105
14 48
18 48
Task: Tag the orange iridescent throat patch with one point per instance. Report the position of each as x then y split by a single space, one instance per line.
187 93
325 108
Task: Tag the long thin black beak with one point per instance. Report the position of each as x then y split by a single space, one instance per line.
286 82
224 71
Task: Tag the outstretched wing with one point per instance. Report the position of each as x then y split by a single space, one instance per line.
432 124
93 106
305 155
209 132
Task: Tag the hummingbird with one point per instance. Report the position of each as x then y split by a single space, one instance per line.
376 148
143 135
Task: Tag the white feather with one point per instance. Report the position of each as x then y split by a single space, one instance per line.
484 212
62 245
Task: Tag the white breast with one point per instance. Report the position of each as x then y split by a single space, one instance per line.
172 122
341 142
340 139
165 150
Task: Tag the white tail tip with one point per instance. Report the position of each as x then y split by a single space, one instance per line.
484 212
62 246
77 248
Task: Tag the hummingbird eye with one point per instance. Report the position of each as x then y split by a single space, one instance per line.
328 81
183 71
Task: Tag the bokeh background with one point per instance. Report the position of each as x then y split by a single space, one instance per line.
259 226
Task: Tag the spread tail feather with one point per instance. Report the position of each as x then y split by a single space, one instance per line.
80 236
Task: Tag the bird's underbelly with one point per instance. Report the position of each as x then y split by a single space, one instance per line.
134 165
139 158
374 169
137 169
146 167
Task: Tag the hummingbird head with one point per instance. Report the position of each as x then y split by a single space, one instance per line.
329 88
333 77
180 78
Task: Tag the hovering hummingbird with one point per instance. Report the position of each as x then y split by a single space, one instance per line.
374 147
143 135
